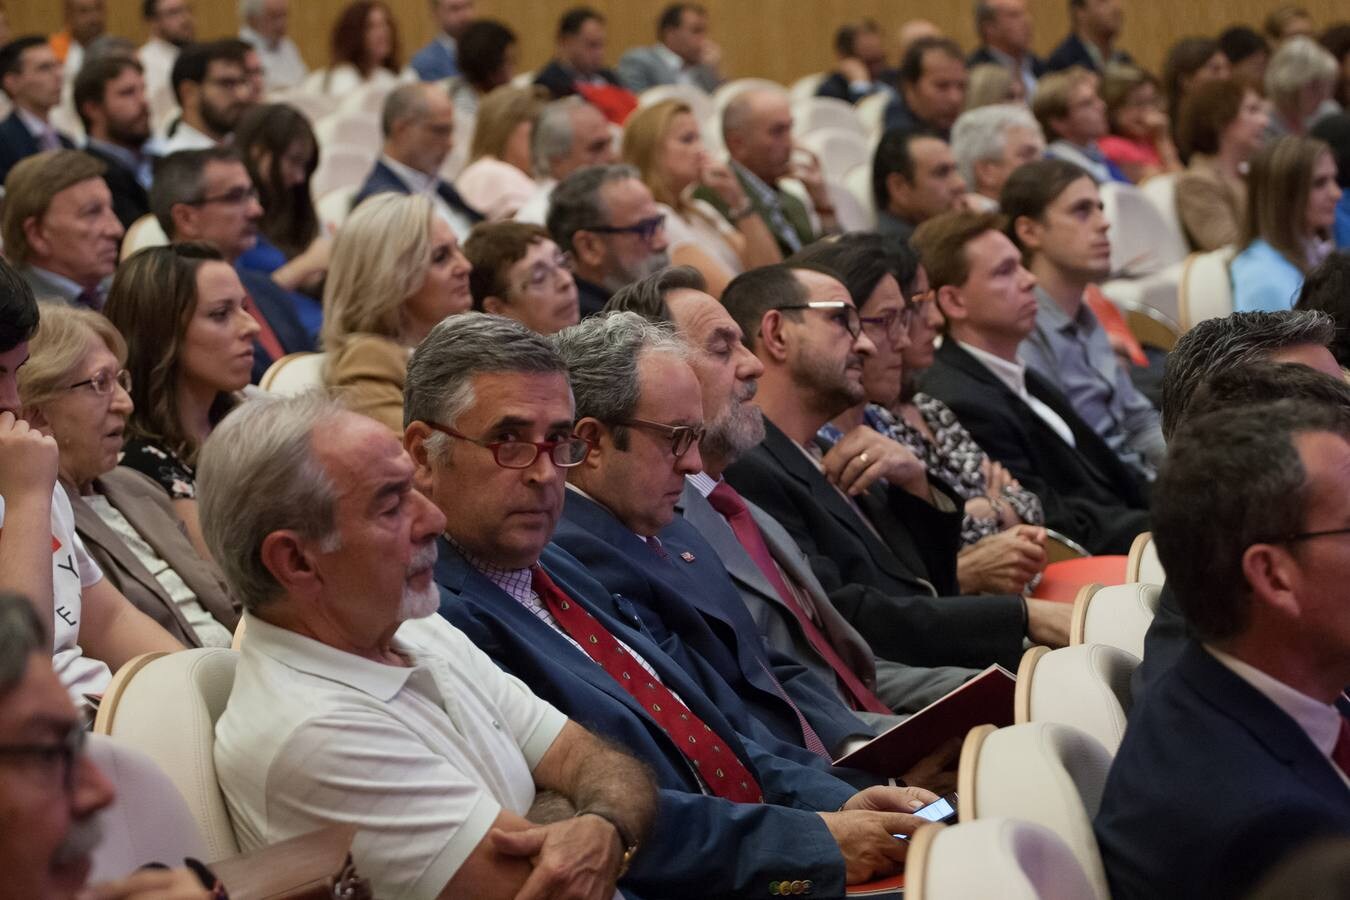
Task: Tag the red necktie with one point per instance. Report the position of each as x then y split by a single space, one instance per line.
1340 754
729 504
266 337
719 768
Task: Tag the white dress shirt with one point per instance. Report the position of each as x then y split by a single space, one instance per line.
1014 375
426 185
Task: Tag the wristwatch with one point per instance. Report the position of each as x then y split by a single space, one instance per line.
630 844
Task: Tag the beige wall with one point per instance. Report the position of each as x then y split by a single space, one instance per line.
781 39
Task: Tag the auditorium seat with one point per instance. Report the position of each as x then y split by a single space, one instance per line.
144 232
1206 290
294 373
858 182
805 88
314 106
1118 615
1086 686
1161 191
342 166
1143 564
699 103
871 112
820 113
1142 240
350 129
838 149
995 857
332 208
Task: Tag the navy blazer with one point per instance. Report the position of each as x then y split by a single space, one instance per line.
699 845
274 302
888 580
561 82
981 57
382 180
1073 52
1212 786
17 143
130 201
690 605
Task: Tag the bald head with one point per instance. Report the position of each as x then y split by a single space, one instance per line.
419 126
757 129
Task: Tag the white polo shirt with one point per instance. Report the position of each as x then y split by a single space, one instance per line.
421 759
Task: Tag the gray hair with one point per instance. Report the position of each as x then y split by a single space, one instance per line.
439 385
405 102
603 354
249 9
552 136
647 296
21 635
258 474
181 178
981 134
1299 61
576 204
736 115
1232 342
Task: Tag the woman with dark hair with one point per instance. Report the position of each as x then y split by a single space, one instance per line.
1291 208
189 353
1140 143
364 48
1220 125
1191 62
1327 289
1247 54
1335 130
1336 39
487 60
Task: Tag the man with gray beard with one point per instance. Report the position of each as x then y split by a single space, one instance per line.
606 218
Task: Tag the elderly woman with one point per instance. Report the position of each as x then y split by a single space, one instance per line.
991 83
1139 143
518 272
1300 78
1220 126
498 179
397 270
76 389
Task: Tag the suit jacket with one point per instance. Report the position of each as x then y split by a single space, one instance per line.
17 143
275 304
793 210
1213 784
435 61
1073 52
148 509
886 579
560 82
644 67
840 88
591 297
1166 638
700 845
382 180
1087 492
367 373
1211 208
130 200
690 606
982 56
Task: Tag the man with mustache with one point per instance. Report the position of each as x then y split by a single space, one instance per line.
353 702
111 100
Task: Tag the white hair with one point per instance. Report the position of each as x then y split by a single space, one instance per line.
981 134
1298 62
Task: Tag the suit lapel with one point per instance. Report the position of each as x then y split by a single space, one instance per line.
715 530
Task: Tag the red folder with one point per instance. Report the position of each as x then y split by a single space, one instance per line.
894 887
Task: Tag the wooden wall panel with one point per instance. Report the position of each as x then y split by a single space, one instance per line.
780 39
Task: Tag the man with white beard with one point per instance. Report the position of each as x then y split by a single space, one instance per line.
353 703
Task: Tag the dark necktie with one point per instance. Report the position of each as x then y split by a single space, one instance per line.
90 298
731 507
1340 754
266 337
719 768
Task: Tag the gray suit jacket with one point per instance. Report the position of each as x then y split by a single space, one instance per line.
643 67
903 688
45 289
145 505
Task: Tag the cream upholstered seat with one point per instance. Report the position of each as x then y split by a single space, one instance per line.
1118 615
805 88
817 113
1043 772
838 149
144 232
293 374
166 705
147 822
1206 290
996 857
698 101
1143 564
1086 686
1143 241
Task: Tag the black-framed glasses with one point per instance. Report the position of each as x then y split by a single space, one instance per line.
843 314
51 758
682 437
646 229
892 323
235 197
566 453
102 382
1306 536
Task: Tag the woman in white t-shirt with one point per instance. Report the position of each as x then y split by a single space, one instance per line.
365 51
664 143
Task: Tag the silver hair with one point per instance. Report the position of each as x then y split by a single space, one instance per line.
552 136
982 134
407 101
603 355
249 9
1298 62
439 384
576 204
258 474
22 634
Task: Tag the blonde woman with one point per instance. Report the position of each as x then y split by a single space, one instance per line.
396 271
498 179
664 144
991 84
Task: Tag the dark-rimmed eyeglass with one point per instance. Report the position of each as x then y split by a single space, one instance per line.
566 453
682 437
59 757
843 314
646 229
890 324
1306 536
102 382
235 197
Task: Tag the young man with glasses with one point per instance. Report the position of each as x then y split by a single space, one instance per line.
213 91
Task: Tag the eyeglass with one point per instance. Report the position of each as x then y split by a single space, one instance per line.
541 273
892 323
566 453
229 84
682 437
845 314
60 756
232 197
646 229
102 382
1306 536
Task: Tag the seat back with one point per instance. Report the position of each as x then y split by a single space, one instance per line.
148 821
871 112
1206 290
168 710
839 150
144 232
1161 191
815 113
1143 564
1044 772
996 857
334 206
293 374
1086 686
342 166
351 129
699 103
805 88
1142 240
858 182
1118 615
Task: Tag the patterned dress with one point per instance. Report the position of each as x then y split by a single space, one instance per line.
162 466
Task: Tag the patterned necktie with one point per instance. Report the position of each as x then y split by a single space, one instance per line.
1340 754
48 140
719 768
731 507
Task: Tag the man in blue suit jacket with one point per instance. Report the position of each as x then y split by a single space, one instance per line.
439 59
1240 754
30 76
490 417
1092 42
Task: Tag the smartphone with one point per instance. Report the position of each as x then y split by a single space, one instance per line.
942 809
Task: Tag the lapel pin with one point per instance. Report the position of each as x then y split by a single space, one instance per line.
687 556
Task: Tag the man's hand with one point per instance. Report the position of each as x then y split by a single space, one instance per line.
806 169
149 884
1002 563
865 829
711 55
864 456
854 70
28 461
937 771
717 177
575 859
1048 622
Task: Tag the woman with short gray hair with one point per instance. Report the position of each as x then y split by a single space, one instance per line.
1300 80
